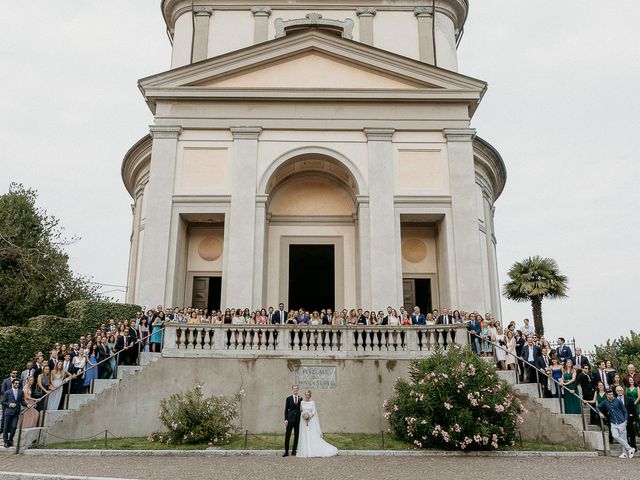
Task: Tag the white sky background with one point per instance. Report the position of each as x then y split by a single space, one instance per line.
562 109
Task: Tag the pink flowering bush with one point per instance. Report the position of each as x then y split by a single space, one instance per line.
454 400
189 417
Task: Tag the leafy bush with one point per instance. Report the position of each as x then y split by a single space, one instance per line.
191 418
92 313
17 345
454 400
56 329
621 352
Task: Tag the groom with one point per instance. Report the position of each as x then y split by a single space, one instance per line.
292 420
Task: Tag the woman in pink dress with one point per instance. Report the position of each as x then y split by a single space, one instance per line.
30 413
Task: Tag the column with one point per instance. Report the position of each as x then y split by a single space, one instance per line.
382 236
364 253
464 219
159 198
259 270
133 275
426 44
366 14
201 33
242 218
261 23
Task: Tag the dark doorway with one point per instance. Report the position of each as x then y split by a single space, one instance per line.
312 281
417 292
206 292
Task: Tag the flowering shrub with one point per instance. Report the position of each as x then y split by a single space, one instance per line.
454 400
191 418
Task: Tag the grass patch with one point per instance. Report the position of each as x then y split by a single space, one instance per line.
275 441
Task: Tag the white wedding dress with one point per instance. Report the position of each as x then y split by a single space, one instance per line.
310 442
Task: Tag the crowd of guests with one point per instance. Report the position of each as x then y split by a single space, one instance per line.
71 368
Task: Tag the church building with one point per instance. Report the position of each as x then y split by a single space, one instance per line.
314 153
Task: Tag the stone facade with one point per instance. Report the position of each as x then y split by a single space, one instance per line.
296 122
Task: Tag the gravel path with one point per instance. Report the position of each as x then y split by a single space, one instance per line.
344 468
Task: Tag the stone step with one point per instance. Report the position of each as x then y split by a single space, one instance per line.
508 376
30 436
100 386
52 416
124 370
593 440
77 400
551 404
530 389
146 358
575 420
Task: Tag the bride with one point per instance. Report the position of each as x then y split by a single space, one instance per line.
311 443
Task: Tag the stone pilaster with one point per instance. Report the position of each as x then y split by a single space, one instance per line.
153 283
242 218
261 23
382 237
363 257
260 255
365 16
201 33
424 15
464 216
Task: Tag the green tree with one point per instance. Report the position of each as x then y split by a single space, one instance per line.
35 278
533 279
621 352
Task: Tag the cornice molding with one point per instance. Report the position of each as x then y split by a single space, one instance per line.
203 11
423 11
366 12
314 19
379 134
245 133
261 11
459 134
165 131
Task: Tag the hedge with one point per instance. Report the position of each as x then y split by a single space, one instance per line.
91 314
18 344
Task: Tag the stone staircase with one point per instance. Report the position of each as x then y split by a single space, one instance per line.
591 437
75 402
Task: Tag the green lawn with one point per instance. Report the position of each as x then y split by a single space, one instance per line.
274 441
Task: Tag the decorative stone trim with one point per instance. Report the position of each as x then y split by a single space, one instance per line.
314 19
246 133
379 134
366 12
165 131
423 11
261 11
459 134
202 11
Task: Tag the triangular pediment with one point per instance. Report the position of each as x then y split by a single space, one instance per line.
316 65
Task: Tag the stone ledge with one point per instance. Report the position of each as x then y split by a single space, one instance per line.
264 453
46 476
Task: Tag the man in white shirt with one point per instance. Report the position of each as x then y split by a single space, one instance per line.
526 328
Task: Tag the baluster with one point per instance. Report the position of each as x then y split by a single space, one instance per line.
323 338
229 334
419 333
194 342
187 337
331 335
403 335
355 339
379 338
211 338
252 336
292 334
267 338
386 339
300 339
339 340
394 334
372 340
178 337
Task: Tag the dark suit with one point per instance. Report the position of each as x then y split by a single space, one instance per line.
632 419
327 319
586 384
542 364
121 344
582 360
278 319
292 416
476 329
10 415
104 369
302 319
531 371
564 353
597 377
418 319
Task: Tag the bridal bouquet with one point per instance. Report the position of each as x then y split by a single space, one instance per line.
307 416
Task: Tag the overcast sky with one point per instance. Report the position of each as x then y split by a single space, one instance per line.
562 108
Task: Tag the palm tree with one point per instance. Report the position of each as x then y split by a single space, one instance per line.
533 279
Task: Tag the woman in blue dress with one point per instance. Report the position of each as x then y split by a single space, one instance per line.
156 332
556 374
92 370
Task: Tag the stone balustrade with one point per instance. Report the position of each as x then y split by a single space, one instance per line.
302 341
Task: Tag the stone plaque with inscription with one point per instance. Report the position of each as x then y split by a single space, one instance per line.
316 377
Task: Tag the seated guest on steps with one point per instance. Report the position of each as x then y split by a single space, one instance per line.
572 403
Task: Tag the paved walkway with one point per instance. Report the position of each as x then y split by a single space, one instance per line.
347 468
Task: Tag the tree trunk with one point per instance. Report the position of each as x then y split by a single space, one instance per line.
536 306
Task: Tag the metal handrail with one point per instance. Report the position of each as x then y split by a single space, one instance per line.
68 379
560 397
